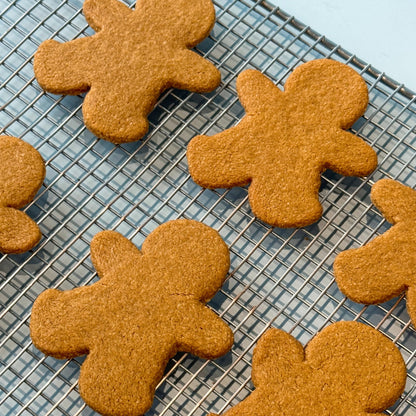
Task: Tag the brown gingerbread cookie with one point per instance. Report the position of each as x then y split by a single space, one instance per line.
348 369
286 140
386 266
130 61
148 305
21 175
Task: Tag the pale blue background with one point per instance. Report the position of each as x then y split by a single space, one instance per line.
381 32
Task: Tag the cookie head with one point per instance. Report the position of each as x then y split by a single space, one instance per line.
195 252
362 363
335 89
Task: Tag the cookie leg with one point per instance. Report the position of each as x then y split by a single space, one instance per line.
117 114
119 376
285 202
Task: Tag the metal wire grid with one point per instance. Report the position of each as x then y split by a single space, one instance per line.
278 277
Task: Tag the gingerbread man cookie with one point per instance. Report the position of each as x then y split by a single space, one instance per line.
386 266
130 61
148 305
286 140
21 175
348 369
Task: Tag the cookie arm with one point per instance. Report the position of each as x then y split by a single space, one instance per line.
349 155
60 320
275 357
192 72
252 87
201 332
102 13
378 271
111 250
395 200
220 161
18 232
62 68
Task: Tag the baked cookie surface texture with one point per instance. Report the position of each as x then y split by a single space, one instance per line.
148 305
386 266
22 172
130 61
348 369
286 140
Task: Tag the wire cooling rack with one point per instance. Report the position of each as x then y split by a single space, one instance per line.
280 278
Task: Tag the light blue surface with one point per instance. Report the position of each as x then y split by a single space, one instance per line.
381 32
